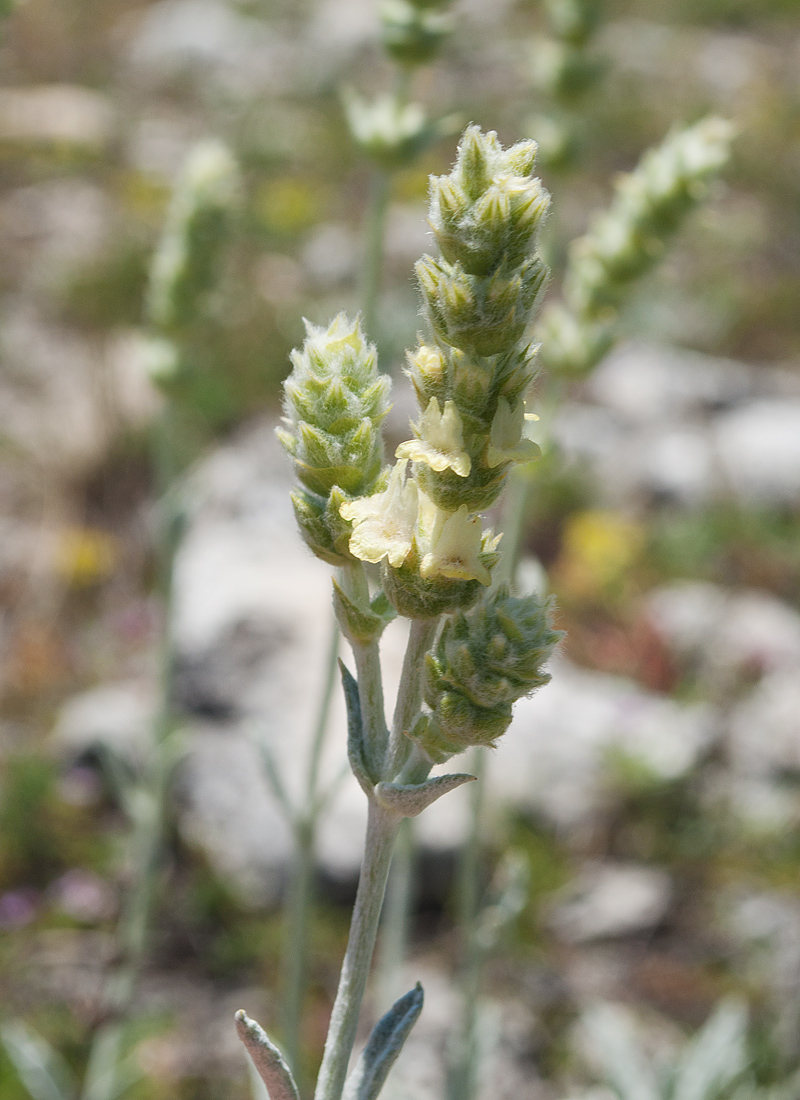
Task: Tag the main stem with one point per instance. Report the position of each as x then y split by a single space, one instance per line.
381 832
463 1079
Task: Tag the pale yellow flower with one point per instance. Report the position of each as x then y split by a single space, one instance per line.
506 440
384 523
453 544
441 442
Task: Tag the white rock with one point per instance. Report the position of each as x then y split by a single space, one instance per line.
611 900
759 451
678 465
687 613
652 385
119 715
210 39
554 758
231 813
726 629
331 253
55 227
56 113
587 431
764 727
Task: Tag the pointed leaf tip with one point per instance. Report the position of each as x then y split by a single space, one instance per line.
383 1047
410 799
268 1060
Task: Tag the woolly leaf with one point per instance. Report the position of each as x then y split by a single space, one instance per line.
383 1047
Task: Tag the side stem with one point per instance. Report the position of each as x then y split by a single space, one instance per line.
301 888
381 832
150 809
375 232
370 682
409 695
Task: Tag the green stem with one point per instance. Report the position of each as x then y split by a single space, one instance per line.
298 905
300 895
512 524
381 832
409 695
463 1079
375 233
150 805
370 682
396 916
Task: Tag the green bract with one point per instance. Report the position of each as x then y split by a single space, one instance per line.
334 403
484 661
479 298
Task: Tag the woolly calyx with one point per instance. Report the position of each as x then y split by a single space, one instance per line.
485 659
479 297
334 403
187 260
484 316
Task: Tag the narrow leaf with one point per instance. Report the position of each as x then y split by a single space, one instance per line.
273 777
355 730
621 1060
410 799
510 894
716 1056
268 1060
383 1047
42 1070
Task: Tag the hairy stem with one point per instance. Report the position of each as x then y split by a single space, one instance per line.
463 1077
409 695
370 681
393 946
381 832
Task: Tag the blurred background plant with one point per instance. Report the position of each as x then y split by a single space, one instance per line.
660 815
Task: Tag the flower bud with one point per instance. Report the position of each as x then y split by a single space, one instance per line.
185 266
334 403
485 659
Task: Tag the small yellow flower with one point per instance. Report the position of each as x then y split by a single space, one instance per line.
441 442
454 543
384 523
506 441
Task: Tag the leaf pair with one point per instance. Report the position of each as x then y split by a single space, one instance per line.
402 799
371 1069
